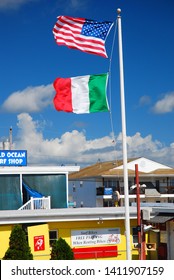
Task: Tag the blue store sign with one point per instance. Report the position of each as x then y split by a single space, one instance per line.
13 158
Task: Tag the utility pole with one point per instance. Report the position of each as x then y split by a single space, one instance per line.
10 139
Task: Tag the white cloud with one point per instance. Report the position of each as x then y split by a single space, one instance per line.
165 105
137 142
73 147
144 100
149 148
31 99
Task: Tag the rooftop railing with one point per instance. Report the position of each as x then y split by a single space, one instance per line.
37 203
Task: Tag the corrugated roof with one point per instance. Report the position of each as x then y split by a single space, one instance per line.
119 172
95 170
163 171
108 168
98 169
161 219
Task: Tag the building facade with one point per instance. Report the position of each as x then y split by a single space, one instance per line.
99 181
92 233
19 184
42 201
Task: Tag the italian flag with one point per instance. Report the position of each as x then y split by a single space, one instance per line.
83 94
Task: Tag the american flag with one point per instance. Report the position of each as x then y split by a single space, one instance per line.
82 34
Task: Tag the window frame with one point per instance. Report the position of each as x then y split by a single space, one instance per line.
51 240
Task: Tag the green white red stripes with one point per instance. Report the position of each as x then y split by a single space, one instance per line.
83 94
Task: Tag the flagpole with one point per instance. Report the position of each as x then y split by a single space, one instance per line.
124 141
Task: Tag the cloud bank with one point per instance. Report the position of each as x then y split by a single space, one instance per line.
31 99
74 148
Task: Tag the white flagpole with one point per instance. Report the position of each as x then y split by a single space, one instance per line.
124 141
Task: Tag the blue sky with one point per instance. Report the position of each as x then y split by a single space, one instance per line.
31 61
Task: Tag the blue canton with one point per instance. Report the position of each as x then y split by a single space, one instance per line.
96 29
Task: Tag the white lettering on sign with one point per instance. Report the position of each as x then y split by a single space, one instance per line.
15 161
15 154
2 155
3 161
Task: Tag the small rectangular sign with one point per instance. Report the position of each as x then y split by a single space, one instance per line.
108 191
13 157
93 237
39 243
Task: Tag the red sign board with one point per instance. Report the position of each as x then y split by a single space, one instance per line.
95 252
39 243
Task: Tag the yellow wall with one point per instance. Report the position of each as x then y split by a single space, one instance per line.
153 237
64 230
34 232
5 232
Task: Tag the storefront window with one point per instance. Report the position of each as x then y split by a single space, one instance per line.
53 185
10 193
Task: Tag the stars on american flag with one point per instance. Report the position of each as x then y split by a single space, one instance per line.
96 29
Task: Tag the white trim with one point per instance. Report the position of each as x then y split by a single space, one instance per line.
66 214
168 209
146 196
39 169
21 187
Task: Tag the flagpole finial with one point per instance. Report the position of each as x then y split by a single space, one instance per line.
118 11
